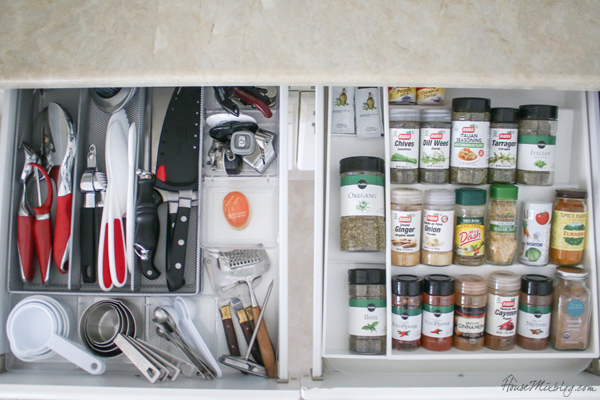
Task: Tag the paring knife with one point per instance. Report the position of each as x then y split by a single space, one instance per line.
230 335
247 328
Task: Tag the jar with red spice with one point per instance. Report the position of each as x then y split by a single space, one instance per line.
438 312
406 312
502 310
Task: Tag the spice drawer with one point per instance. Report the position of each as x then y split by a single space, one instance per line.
335 367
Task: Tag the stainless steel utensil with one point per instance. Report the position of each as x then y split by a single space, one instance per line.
149 370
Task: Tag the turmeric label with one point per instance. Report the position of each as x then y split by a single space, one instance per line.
568 230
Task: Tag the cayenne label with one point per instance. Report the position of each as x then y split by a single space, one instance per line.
406 231
536 153
534 322
469 322
469 236
438 228
503 148
502 315
438 321
568 230
405 148
406 324
367 317
435 148
470 144
362 195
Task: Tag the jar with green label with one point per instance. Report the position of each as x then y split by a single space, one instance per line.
406 312
362 204
501 239
569 226
469 235
367 314
537 140
535 303
404 145
434 164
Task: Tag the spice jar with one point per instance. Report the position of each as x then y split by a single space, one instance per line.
469 233
406 312
503 145
438 227
502 310
404 134
367 312
406 226
570 310
469 312
535 302
362 204
438 312
434 164
569 225
470 140
501 241
535 235
537 139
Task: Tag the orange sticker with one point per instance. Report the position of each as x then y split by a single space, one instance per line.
237 210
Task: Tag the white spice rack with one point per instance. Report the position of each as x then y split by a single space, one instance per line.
573 168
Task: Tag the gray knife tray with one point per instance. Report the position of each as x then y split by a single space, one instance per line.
90 124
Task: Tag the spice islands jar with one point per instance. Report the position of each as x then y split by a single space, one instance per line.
569 226
438 312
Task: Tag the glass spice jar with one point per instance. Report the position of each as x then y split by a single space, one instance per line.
569 226
469 234
406 226
404 134
406 312
438 312
438 227
503 145
434 162
535 303
571 310
469 312
502 310
470 140
367 312
362 204
501 242
537 140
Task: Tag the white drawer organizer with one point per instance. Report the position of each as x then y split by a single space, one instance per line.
358 376
58 379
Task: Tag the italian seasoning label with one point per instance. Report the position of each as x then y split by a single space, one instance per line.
435 148
406 234
536 153
503 148
367 317
568 230
534 322
362 195
405 148
469 322
501 315
406 324
469 236
438 320
470 144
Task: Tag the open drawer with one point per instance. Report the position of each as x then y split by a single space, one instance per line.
56 378
339 373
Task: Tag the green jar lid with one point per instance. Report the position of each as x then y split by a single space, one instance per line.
470 197
504 191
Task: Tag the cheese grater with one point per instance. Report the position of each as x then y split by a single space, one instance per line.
240 263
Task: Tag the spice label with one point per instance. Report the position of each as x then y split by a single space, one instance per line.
534 322
503 226
405 148
535 237
406 324
435 148
438 227
406 231
568 230
470 144
438 321
430 95
367 317
342 114
469 238
469 323
575 308
536 153
402 95
362 195
503 148
502 313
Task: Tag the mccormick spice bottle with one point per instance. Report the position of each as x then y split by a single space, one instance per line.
438 312
535 302
406 312
469 312
469 236
406 226
367 314
502 310
569 225
503 145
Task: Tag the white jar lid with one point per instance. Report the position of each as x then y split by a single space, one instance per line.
403 114
538 206
440 197
407 196
436 115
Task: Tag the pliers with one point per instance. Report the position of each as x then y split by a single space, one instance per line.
247 95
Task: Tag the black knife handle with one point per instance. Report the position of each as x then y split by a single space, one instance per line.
147 227
88 245
176 266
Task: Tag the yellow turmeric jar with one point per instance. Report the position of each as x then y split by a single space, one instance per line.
569 226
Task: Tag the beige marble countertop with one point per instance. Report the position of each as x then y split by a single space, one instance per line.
451 43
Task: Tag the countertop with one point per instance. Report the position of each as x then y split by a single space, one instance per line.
447 43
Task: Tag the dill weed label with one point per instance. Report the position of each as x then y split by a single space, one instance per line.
435 148
568 230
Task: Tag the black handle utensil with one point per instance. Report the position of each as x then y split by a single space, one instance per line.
147 225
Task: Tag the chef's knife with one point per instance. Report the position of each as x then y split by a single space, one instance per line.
177 171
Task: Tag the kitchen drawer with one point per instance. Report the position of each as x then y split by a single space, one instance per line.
57 379
338 373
